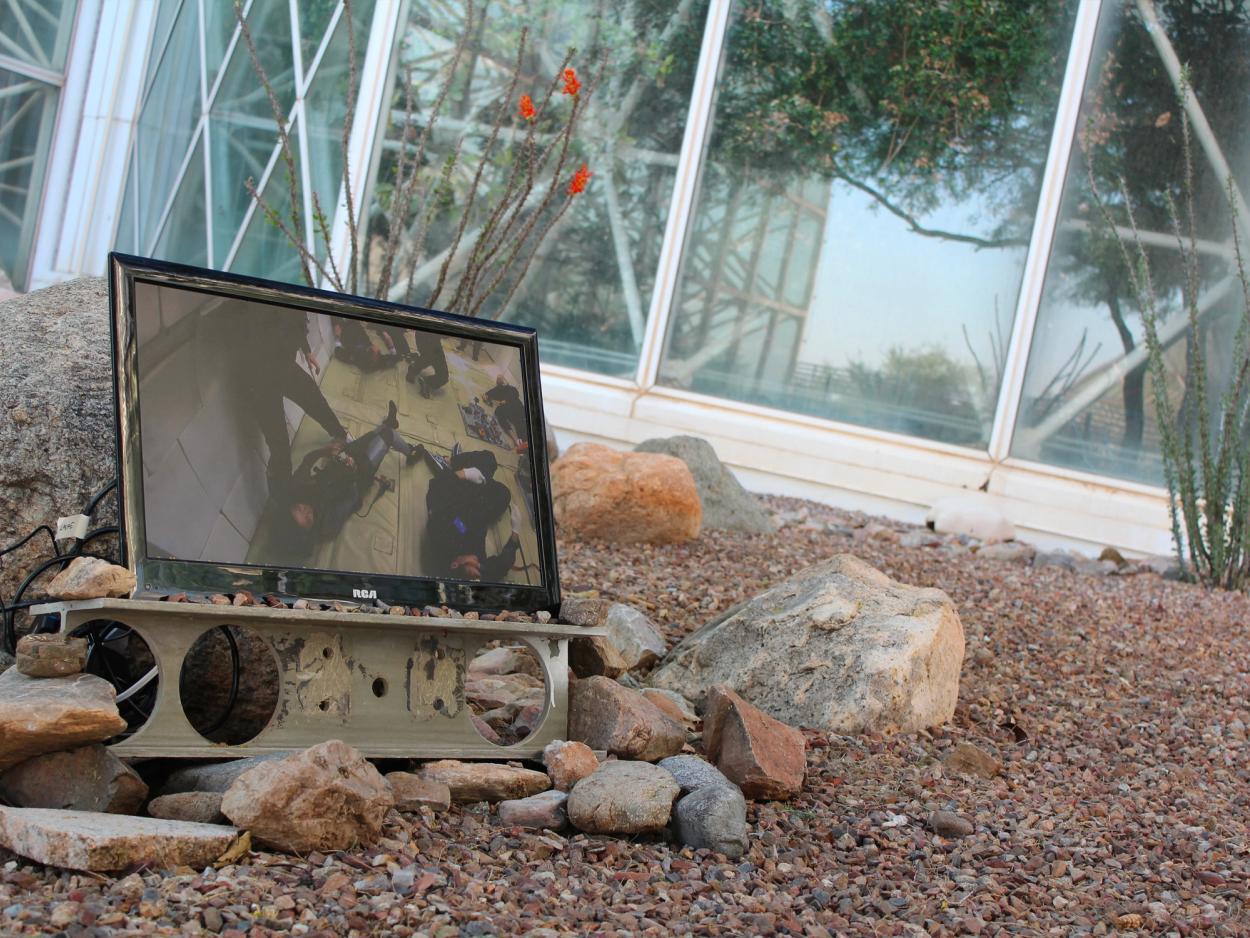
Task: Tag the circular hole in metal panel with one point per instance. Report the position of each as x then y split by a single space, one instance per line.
229 685
505 688
379 687
118 653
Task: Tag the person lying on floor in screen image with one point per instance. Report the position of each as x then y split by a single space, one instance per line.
331 485
509 412
268 373
353 345
428 364
464 500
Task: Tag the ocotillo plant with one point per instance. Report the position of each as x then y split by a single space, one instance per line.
496 238
1206 461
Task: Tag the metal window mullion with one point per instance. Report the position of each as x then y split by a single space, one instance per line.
26 70
311 71
274 157
1045 222
236 38
299 125
364 145
207 153
685 188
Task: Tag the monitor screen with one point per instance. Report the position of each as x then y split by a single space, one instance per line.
274 429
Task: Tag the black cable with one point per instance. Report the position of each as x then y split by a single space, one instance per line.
16 544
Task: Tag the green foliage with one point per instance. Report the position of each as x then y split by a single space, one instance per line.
923 385
1206 461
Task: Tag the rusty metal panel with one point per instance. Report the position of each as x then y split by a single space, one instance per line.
391 686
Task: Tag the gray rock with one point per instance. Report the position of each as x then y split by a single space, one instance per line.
692 773
56 412
727 506
623 798
714 817
1007 551
950 824
1055 558
634 635
214 776
839 646
89 778
200 807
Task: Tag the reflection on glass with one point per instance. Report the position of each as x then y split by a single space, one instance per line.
167 123
36 32
864 207
272 435
589 287
241 123
1086 402
27 112
265 250
184 237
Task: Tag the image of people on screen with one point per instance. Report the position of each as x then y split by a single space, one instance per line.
279 436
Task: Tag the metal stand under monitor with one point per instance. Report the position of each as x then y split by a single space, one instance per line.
391 686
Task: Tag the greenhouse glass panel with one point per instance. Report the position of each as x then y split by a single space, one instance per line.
865 205
36 32
27 113
588 288
1087 401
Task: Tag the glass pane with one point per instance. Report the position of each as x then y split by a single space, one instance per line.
167 122
124 239
314 18
326 110
165 12
265 251
220 24
27 113
184 237
865 204
37 31
1087 401
589 287
242 132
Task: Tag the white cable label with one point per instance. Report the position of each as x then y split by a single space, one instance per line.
75 526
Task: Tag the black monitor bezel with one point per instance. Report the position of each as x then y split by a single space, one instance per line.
158 576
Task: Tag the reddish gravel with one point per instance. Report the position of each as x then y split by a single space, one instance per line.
1117 705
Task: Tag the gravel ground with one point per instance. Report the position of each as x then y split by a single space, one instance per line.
1117 705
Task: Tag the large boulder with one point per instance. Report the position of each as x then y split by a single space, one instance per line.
47 714
727 506
56 413
839 646
605 715
623 497
89 778
327 797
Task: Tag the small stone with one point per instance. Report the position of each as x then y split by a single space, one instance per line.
91 578
413 792
623 798
762 756
714 817
586 611
949 824
39 715
1008 552
634 636
605 715
51 655
971 760
544 810
505 660
212 919
200 807
327 797
568 763
88 778
1113 555
86 840
973 513
484 781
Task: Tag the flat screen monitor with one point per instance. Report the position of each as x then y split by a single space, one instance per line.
305 444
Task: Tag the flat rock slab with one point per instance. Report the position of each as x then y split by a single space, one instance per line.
39 715
85 840
484 781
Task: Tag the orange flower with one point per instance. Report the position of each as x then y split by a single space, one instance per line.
579 180
527 107
571 84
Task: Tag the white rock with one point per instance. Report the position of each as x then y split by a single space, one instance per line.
973 513
839 646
